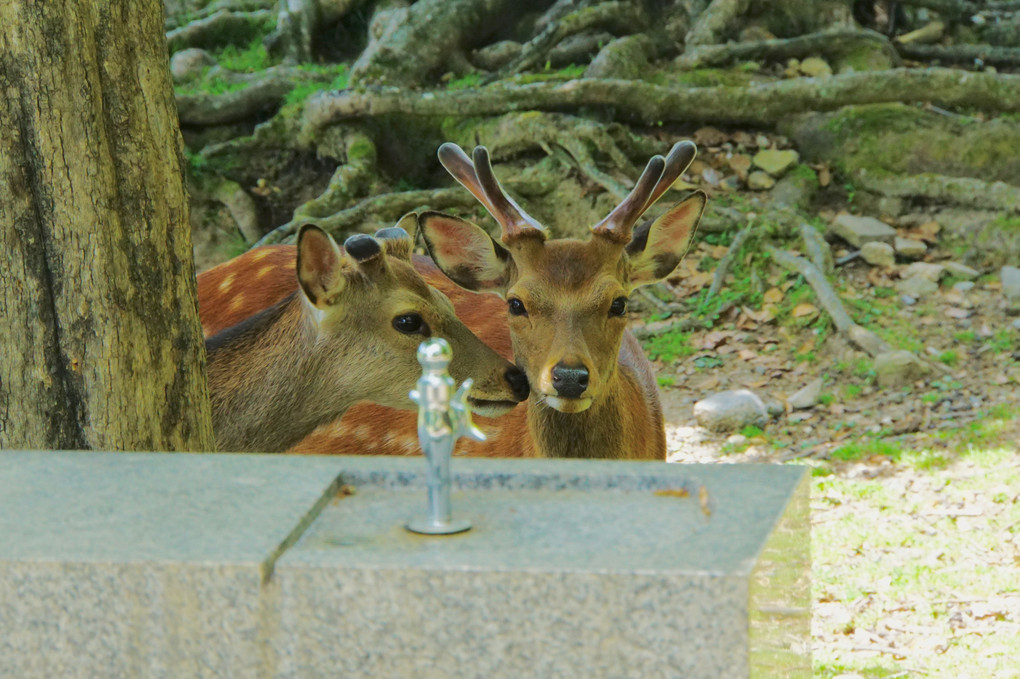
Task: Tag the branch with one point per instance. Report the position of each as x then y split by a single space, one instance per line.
265 91
724 265
828 43
173 22
636 101
217 29
827 297
965 191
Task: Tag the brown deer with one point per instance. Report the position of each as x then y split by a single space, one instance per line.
593 393
345 328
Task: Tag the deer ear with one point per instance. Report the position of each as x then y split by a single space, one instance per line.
657 247
319 265
465 253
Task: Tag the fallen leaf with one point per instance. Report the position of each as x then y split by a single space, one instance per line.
757 384
824 177
708 383
673 492
718 251
802 310
773 296
741 164
746 355
953 312
703 501
715 338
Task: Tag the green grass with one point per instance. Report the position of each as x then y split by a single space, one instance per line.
950 358
666 380
669 346
859 450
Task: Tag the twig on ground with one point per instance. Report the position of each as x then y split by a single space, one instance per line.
863 338
817 249
724 264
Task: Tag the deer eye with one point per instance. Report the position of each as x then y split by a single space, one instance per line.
618 307
410 324
516 307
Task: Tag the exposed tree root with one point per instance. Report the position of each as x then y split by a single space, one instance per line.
297 22
616 16
858 335
387 207
430 36
816 248
642 102
938 188
711 25
173 21
963 54
828 43
214 30
265 92
350 181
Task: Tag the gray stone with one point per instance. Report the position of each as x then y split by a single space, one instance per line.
234 565
878 254
190 63
807 397
910 248
932 272
898 368
860 230
1009 276
961 270
760 181
731 410
1016 324
492 57
917 287
963 286
775 162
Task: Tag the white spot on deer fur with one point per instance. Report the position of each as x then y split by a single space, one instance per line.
409 444
227 282
260 255
237 303
264 271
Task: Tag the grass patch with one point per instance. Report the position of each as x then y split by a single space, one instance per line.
669 346
861 450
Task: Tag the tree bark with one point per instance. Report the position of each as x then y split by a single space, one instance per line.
100 343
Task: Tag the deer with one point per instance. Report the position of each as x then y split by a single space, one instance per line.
296 335
560 306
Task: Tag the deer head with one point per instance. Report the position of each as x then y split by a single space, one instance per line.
566 298
350 332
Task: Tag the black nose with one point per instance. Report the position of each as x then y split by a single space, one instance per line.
518 382
569 381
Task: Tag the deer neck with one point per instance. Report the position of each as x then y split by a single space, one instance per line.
598 432
259 382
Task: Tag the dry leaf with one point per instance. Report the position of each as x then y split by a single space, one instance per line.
673 492
708 383
715 338
802 310
746 355
703 501
773 296
824 176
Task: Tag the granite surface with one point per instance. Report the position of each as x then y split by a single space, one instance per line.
189 565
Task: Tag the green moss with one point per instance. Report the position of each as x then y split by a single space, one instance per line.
247 59
669 346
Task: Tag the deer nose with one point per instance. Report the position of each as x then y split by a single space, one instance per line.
569 381
518 382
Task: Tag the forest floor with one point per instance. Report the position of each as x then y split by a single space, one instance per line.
915 499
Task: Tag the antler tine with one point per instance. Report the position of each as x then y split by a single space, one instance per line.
617 226
457 163
678 160
512 218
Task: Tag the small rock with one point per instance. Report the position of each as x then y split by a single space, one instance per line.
189 63
908 300
736 439
775 162
963 286
932 272
711 176
1016 324
807 397
878 254
815 67
760 181
1010 278
961 270
761 141
731 183
731 410
917 287
860 230
909 248
492 57
898 368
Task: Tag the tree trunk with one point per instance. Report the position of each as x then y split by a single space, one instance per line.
100 343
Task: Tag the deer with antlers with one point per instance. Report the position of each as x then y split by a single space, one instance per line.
562 305
323 328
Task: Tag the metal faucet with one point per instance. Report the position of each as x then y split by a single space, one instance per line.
443 417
